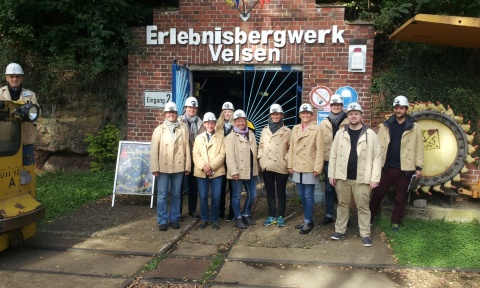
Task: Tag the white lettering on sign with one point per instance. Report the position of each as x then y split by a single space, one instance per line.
156 99
217 39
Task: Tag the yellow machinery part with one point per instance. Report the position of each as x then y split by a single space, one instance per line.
17 206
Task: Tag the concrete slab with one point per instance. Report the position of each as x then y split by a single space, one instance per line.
254 275
73 262
32 279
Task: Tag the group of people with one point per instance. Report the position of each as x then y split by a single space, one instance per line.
354 159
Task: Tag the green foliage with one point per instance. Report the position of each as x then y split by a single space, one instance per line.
64 192
436 244
70 46
429 73
212 269
153 263
103 147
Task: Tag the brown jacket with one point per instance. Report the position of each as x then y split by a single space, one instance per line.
167 154
327 131
273 150
209 152
29 130
238 150
411 147
369 165
306 154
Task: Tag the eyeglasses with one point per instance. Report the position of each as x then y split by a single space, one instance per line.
15 76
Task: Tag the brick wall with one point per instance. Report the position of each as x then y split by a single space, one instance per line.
323 64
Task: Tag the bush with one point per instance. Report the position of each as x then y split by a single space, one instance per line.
103 147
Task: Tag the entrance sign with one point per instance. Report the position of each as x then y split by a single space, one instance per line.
132 174
320 96
349 95
156 99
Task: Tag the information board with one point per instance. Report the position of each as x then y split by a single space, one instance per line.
132 174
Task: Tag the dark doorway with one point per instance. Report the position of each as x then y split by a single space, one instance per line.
254 91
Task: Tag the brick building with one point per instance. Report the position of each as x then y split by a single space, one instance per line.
287 52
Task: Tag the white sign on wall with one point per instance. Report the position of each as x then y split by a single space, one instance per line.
156 99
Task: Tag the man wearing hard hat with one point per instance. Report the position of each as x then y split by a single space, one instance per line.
402 157
354 169
15 92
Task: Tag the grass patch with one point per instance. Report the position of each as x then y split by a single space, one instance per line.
153 263
63 192
212 269
435 243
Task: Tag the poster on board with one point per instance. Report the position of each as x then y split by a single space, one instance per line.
132 173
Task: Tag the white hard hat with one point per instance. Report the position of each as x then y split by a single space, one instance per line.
191 102
336 99
306 108
227 106
170 107
400 101
276 108
209 116
14 69
354 106
239 114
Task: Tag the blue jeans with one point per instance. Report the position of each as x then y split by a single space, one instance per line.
251 188
329 193
164 180
305 191
216 187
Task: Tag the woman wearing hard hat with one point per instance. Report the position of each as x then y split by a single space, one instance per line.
272 156
168 164
305 162
225 124
242 167
209 158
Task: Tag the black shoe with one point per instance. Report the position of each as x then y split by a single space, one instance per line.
194 215
327 220
230 217
248 220
175 225
215 226
163 227
203 225
299 226
239 224
307 227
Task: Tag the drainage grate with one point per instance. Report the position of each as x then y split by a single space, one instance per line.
179 268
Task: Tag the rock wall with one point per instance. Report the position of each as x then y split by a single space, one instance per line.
61 132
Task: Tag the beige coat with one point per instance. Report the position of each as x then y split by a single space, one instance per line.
209 152
273 150
327 131
411 149
29 130
306 152
170 154
369 166
238 150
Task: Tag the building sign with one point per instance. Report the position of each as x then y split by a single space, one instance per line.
156 99
229 45
320 96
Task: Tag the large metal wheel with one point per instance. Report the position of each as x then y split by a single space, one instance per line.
445 146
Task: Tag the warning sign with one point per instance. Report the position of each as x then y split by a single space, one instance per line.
320 96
